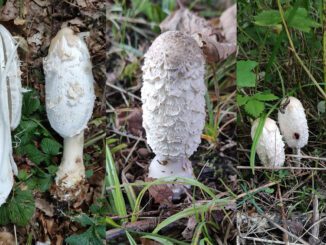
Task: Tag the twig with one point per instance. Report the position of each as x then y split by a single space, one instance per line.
314 238
284 222
266 241
123 91
283 230
128 135
281 168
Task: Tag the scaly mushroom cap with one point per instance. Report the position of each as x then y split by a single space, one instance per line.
270 147
13 73
173 95
293 123
68 84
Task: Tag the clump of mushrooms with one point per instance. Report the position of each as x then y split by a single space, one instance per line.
270 147
69 105
10 109
293 124
173 104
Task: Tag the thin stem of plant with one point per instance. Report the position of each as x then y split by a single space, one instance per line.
296 54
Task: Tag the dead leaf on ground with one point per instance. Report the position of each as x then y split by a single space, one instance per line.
9 11
44 206
6 238
161 194
132 119
215 46
191 226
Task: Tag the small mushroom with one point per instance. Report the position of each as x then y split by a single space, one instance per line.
173 103
293 124
69 105
270 147
10 109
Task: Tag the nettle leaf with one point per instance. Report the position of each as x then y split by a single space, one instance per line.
19 209
34 154
95 235
301 20
242 100
31 103
265 96
254 107
268 18
245 76
84 220
50 146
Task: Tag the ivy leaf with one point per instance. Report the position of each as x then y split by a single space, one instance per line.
254 107
50 146
265 96
245 76
268 18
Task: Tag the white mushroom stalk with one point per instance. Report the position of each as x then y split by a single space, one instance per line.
69 104
293 124
173 103
270 147
10 109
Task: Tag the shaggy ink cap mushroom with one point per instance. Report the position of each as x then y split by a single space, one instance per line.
10 108
69 104
270 147
173 96
293 123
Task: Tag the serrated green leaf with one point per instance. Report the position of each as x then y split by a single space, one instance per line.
50 146
241 100
254 107
22 175
34 154
31 103
21 207
301 20
268 18
4 214
84 220
95 235
265 96
245 76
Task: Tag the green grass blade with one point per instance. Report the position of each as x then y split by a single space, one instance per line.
113 181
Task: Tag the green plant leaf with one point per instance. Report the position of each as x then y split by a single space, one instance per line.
50 146
242 100
301 20
254 107
245 76
19 209
31 103
268 18
34 154
84 220
95 235
265 96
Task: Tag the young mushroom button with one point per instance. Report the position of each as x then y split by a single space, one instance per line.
69 104
270 147
173 103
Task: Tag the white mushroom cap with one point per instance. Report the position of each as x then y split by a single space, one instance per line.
13 74
173 95
293 123
270 147
69 84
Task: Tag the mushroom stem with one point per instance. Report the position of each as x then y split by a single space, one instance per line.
297 151
72 169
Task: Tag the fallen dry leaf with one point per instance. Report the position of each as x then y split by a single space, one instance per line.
209 38
9 11
44 206
6 238
161 194
133 120
191 226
